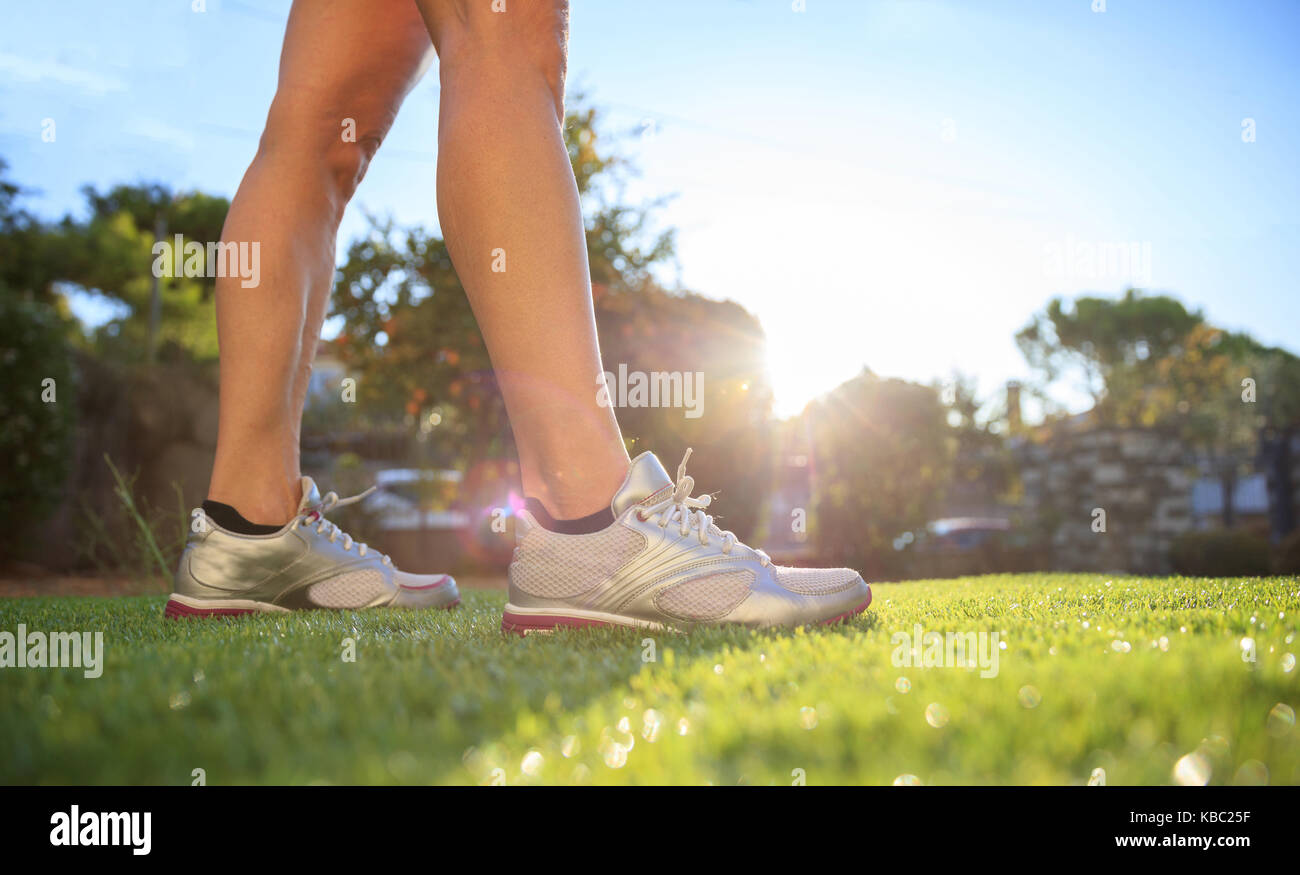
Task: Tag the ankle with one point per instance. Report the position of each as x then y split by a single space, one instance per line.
263 502
570 493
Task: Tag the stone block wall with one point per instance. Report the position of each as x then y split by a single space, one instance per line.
1137 483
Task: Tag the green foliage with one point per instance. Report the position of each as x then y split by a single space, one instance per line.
1122 673
882 457
37 412
1220 553
110 254
1100 336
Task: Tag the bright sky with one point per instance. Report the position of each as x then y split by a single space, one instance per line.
883 183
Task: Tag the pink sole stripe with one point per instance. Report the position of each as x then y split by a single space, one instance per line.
177 611
524 623
847 614
427 585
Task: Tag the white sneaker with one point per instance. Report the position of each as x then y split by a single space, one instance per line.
310 563
663 564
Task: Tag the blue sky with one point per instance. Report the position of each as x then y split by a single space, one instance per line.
883 183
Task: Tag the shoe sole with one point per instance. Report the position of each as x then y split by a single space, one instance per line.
183 608
519 623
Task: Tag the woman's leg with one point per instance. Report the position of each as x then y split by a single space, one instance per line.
509 211
344 60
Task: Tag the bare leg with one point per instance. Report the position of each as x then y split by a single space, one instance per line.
506 192
347 59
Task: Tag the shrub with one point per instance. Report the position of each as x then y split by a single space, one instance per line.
1220 553
37 412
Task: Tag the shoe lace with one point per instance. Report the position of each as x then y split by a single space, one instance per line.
331 530
689 513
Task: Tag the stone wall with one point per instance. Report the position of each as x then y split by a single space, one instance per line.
1140 479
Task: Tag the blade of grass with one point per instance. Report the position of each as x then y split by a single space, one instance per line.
124 493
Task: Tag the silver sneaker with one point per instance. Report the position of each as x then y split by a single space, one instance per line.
310 563
663 564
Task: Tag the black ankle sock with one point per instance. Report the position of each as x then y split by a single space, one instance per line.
601 519
233 521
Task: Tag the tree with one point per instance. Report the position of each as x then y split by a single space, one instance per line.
1110 343
112 254
881 457
38 404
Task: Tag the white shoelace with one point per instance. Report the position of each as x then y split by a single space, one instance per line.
332 531
689 513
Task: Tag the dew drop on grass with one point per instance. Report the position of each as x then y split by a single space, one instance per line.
907 781
683 726
1029 696
1097 778
936 715
1288 662
1251 773
1192 770
651 724
903 685
1281 720
532 763
616 756
570 747
808 717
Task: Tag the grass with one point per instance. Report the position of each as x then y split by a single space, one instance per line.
1125 674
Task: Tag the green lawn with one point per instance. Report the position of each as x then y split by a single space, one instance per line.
1125 674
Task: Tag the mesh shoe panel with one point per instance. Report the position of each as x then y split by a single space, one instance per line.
351 589
814 581
555 566
705 598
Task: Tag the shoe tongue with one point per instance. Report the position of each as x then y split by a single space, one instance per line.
310 495
644 478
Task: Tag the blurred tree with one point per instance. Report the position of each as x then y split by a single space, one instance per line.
983 472
38 404
1110 342
112 254
882 453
